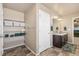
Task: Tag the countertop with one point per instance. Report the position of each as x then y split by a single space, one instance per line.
61 33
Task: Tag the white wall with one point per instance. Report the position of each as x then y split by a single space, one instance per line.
30 19
14 16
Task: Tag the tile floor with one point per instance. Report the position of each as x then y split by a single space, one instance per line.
23 51
59 52
18 51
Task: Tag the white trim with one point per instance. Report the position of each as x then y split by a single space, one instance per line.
12 47
30 49
37 29
51 32
72 31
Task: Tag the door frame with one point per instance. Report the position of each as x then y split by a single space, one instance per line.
73 40
1 36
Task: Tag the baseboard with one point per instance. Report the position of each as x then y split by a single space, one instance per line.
30 49
13 46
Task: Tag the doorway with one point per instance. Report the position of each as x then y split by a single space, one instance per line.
76 31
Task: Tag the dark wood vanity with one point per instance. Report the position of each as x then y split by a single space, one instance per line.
59 40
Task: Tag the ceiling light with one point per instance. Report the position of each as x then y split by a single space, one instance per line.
59 19
55 17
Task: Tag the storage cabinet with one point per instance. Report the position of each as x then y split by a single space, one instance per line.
59 40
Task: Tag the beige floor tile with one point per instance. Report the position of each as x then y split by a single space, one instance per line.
18 51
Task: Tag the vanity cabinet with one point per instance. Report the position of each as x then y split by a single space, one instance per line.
60 40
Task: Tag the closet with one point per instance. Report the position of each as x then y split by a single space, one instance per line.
19 26
14 28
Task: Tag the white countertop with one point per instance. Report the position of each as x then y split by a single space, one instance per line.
63 33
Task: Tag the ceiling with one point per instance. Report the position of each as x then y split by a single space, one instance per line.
63 8
22 7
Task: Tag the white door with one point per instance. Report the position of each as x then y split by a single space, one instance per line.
44 29
1 29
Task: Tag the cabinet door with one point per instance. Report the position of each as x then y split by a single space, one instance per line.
57 41
65 39
1 29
